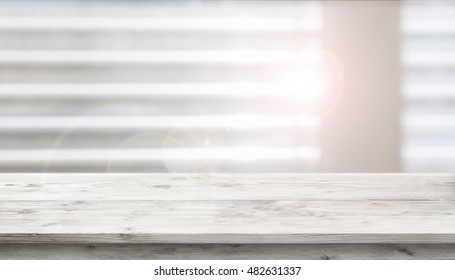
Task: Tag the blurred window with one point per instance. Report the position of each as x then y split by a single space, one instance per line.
428 56
156 86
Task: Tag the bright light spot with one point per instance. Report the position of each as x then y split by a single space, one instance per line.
303 83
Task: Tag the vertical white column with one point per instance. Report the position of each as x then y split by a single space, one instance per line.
361 133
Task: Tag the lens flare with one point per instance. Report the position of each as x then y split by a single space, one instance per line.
182 150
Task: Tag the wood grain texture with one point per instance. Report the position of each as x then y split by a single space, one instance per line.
227 251
227 208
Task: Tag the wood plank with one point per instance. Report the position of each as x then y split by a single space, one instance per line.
227 222
296 187
228 251
227 208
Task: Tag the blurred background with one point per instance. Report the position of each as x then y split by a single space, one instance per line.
227 86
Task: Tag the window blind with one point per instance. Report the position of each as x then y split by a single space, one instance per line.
428 86
155 86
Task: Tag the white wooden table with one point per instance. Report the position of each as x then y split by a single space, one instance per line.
227 216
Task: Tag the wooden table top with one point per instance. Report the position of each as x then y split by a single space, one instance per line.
227 208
